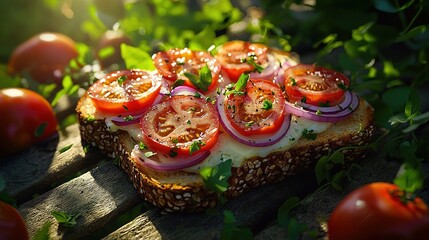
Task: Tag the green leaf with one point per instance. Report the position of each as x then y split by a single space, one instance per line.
396 98
40 129
412 107
295 229
409 178
136 58
337 157
337 178
216 178
389 6
203 81
58 96
106 52
283 216
67 220
320 169
230 230
46 89
241 82
417 31
203 40
43 232
65 148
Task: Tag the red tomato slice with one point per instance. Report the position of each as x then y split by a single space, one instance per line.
259 111
232 56
174 63
315 85
178 123
129 91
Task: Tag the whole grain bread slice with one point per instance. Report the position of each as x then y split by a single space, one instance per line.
185 191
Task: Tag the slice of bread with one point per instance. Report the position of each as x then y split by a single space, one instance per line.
185 191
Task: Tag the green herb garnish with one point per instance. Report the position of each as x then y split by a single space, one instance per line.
216 178
64 149
121 79
64 219
267 105
309 134
195 146
203 80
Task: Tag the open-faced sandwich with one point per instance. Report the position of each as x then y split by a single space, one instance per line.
248 108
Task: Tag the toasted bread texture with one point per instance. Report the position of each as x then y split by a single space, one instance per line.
185 191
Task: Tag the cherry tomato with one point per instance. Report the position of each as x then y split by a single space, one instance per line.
43 57
12 225
260 110
26 118
315 85
233 55
126 91
174 63
111 41
179 122
379 211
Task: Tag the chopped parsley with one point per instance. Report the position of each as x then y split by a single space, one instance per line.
66 148
142 146
293 81
128 118
267 104
90 118
121 79
309 134
251 61
195 146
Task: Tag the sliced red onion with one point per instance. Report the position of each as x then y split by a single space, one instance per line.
348 96
323 117
260 140
169 163
185 91
132 118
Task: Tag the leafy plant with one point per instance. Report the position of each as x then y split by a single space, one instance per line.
65 219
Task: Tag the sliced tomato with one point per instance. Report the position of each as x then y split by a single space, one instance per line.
315 85
233 57
126 91
174 63
259 110
182 125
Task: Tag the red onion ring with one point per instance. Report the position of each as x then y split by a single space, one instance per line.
172 164
135 117
348 97
261 140
323 117
185 91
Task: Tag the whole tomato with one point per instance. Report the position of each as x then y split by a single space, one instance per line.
379 211
12 225
26 118
43 57
111 41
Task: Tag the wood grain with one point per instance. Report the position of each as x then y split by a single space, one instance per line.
98 196
35 171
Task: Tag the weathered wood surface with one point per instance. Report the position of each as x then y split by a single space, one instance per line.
36 169
44 180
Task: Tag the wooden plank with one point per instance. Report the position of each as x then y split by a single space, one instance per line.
315 212
97 196
35 170
254 209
